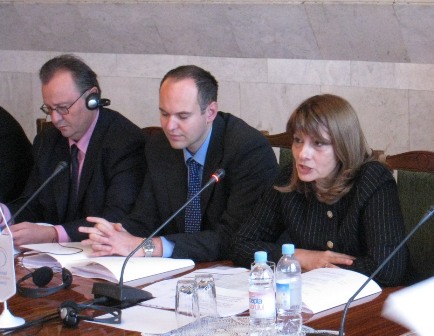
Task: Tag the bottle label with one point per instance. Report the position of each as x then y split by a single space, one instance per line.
262 304
283 295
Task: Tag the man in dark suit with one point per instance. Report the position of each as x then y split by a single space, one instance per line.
193 130
15 157
105 151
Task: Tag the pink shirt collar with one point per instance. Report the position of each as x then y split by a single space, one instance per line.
83 143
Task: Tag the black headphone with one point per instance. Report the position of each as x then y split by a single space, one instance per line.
93 101
42 277
69 312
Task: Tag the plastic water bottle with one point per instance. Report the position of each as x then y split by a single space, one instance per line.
288 293
262 300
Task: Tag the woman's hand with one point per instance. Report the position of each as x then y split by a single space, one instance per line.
310 259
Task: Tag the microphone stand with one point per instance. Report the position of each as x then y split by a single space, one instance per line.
60 167
391 255
126 295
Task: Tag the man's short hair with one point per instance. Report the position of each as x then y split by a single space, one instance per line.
84 77
207 85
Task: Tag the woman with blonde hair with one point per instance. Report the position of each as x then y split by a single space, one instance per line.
337 205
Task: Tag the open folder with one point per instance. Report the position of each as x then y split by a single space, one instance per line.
77 258
326 288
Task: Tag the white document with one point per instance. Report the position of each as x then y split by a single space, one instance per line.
325 288
229 301
413 307
146 320
77 258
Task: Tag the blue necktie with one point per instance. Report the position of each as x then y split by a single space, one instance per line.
192 211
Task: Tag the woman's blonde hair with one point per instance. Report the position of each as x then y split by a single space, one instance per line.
337 118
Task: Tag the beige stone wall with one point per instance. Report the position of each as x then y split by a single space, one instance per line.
267 55
394 101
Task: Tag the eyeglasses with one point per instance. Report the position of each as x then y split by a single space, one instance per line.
63 110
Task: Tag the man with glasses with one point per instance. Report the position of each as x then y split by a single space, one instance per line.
104 150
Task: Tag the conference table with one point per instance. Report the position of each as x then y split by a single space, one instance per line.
362 320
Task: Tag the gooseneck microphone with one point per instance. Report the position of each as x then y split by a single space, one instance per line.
59 168
126 295
429 213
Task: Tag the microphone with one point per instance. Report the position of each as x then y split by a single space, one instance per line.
60 167
429 213
126 295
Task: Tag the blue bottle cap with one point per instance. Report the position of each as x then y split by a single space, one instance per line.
260 256
288 249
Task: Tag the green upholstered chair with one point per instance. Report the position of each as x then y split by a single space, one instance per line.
415 180
283 142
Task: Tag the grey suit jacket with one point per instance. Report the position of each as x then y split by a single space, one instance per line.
250 166
111 177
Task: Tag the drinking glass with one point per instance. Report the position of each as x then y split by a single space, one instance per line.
206 294
186 303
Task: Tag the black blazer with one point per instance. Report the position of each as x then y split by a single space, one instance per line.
366 223
111 177
16 159
250 166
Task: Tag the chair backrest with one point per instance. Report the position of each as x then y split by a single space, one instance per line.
282 142
41 124
415 180
150 130
417 161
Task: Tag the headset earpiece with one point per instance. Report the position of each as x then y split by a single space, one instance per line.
69 313
41 278
93 101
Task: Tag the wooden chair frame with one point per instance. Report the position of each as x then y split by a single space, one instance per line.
417 161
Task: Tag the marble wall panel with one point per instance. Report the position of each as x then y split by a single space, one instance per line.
18 102
415 76
309 72
120 28
421 120
357 32
268 106
279 31
416 27
394 100
383 115
23 61
136 98
200 30
229 97
373 31
373 74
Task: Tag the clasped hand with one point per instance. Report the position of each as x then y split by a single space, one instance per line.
108 238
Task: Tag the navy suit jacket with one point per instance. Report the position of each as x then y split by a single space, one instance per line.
111 177
250 166
16 159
